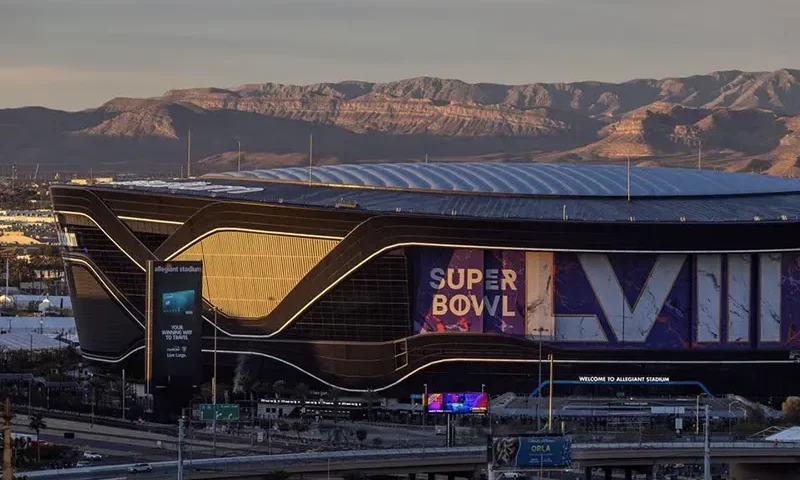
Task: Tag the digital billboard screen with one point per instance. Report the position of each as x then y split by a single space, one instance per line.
458 402
175 322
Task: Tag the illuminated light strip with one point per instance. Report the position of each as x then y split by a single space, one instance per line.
448 245
150 220
67 212
111 359
399 245
496 360
247 230
108 289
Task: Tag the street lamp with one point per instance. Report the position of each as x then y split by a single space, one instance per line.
697 414
540 330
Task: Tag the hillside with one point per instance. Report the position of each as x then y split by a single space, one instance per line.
742 121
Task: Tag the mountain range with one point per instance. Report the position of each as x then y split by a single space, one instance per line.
728 120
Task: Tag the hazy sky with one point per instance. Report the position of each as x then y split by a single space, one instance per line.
74 54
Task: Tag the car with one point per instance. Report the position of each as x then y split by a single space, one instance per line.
140 468
92 456
441 430
82 464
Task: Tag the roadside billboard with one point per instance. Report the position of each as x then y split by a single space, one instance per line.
530 452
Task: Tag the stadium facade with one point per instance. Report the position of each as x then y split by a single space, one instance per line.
375 277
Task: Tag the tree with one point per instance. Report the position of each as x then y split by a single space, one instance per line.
37 424
333 396
279 388
301 390
370 398
791 410
361 434
299 427
276 475
377 442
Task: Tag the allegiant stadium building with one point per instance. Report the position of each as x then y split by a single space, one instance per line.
376 277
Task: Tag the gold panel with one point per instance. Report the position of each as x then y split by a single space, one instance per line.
247 274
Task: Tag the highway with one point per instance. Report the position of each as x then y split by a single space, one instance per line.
431 460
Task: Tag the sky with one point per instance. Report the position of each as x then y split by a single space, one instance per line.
76 54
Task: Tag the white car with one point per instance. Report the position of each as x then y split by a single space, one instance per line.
92 456
140 468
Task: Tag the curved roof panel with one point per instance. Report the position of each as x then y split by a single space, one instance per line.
531 179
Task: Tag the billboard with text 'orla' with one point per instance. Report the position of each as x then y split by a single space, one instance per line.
666 301
530 452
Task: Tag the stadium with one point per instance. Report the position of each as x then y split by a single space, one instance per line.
386 277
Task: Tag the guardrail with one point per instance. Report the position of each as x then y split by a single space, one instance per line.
288 460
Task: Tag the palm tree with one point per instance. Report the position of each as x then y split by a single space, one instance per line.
37 424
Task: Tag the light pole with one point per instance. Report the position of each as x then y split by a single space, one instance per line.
424 402
697 414
550 407
541 330
214 390
706 450
123 394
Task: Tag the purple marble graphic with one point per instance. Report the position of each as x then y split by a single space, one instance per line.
575 296
448 290
509 296
790 300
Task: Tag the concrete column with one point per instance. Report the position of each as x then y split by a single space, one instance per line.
609 473
587 473
628 473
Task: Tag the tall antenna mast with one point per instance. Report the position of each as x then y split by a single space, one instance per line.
629 179
189 155
239 158
310 154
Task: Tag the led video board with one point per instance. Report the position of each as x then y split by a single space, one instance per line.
174 323
458 402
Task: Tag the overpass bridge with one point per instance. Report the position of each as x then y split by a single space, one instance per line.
464 461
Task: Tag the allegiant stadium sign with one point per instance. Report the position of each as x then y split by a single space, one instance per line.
191 186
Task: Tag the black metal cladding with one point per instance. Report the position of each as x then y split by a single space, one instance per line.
371 305
119 269
105 329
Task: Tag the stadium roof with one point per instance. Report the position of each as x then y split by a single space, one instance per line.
531 179
503 190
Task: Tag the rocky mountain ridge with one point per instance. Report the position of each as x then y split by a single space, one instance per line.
736 120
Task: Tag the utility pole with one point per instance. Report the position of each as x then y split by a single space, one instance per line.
629 179
8 472
181 437
239 157
699 155
189 155
706 450
310 154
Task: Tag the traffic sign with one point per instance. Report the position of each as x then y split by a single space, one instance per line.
226 412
